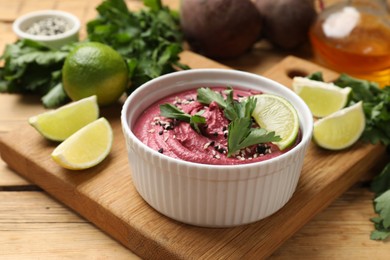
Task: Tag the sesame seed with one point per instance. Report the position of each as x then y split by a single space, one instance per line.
261 149
177 101
151 130
225 134
221 150
161 150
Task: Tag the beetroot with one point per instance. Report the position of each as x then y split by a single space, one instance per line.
286 22
220 28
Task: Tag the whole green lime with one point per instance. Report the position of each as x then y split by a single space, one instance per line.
94 68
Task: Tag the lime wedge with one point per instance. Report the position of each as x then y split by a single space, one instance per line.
59 124
274 113
340 129
322 98
85 148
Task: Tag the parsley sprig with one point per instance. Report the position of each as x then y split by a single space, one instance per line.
242 134
380 185
171 111
241 130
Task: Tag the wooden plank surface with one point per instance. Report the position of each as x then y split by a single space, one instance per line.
34 226
32 208
105 194
340 232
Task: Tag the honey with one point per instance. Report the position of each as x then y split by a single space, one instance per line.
354 38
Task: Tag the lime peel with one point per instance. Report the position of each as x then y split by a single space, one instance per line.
87 147
59 124
341 129
94 68
322 98
274 113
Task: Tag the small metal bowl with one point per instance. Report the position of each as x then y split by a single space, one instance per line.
23 24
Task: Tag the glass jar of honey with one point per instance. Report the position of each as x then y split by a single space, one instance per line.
353 37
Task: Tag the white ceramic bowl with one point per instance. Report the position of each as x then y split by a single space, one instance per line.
22 23
212 195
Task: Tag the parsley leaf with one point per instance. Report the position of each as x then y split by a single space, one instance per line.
382 222
316 76
241 109
380 233
171 111
381 182
206 96
242 135
381 186
382 207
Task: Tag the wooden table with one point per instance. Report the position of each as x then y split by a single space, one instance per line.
33 225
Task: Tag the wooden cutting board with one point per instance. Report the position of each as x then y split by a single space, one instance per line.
106 196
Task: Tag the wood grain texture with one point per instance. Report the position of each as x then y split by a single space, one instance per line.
49 230
340 232
105 194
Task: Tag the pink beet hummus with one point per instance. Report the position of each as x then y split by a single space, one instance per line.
178 140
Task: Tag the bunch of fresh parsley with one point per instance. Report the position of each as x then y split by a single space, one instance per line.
149 40
376 106
31 68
